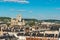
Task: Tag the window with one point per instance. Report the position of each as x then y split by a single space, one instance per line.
49 35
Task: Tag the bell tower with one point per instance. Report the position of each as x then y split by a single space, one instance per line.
19 17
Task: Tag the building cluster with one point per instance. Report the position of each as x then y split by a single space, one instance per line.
39 31
17 21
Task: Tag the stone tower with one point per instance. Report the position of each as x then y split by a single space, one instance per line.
19 18
17 21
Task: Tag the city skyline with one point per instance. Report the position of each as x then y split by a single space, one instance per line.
39 9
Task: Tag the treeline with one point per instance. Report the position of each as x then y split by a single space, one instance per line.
5 19
30 19
35 20
8 18
51 20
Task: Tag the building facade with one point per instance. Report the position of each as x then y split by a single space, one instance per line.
17 21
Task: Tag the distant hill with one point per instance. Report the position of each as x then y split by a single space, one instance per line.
5 19
51 20
9 19
30 19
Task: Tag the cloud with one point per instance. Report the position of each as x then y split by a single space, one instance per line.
27 11
18 1
30 11
24 11
20 10
51 1
58 8
12 10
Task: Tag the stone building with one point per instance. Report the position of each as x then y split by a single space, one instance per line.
17 21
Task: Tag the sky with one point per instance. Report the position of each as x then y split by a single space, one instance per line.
38 9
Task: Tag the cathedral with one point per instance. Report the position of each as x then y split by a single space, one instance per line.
17 21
